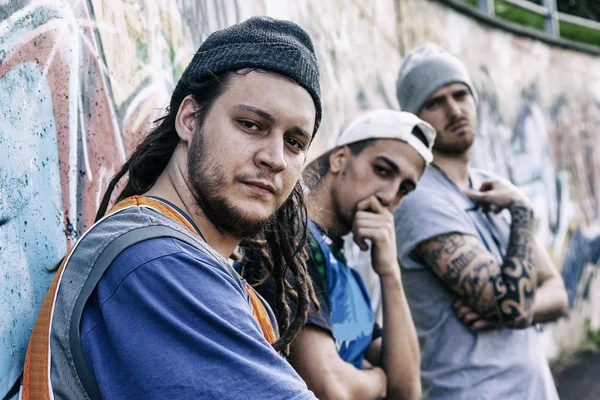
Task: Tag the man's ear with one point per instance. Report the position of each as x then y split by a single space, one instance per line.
185 120
338 159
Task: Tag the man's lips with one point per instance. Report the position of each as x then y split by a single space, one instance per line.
459 127
262 186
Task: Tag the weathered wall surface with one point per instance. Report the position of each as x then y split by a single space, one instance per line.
539 125
81 80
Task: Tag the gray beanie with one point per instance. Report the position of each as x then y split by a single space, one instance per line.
425 70
265 43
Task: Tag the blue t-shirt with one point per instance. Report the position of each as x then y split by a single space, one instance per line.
347 313
345 308
167 321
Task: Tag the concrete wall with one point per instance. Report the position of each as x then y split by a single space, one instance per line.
539 125
81 80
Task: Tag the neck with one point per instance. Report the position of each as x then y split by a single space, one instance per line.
454 166
172 185
321 206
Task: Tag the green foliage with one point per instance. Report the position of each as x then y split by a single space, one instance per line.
592 335
579 33
518 15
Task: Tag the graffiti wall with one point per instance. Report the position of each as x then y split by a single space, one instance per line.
82 80
79 82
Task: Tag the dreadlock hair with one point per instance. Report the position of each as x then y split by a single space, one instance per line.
279 253
281 245
152 155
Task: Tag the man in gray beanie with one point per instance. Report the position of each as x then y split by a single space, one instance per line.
476 278
146 305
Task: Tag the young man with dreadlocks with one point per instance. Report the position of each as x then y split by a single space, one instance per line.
355 188
146 305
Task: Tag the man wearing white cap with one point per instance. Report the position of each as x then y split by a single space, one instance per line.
475 276
355 187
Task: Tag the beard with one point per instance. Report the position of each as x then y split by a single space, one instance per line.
455 147
205 179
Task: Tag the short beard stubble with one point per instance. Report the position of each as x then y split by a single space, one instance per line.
205 180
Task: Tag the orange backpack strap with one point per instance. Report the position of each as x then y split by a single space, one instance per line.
260 314
258 308
36 371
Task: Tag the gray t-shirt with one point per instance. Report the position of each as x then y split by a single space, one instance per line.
455 362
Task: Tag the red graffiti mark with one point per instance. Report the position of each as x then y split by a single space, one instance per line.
83 112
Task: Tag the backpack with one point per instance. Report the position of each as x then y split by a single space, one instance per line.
58 322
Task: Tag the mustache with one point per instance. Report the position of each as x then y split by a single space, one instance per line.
261 176
456 122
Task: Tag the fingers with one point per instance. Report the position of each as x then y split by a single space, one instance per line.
487 185
374 234
482 325
371 204
374 226
360 241
472 319
465 313
374 222
477 196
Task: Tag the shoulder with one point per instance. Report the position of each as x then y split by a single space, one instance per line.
483 173
425 204
316 267
431 192
162 248
167 262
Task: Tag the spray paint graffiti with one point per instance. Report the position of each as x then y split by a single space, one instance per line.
81 80
524 155
71 108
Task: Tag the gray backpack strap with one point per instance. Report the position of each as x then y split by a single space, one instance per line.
86 376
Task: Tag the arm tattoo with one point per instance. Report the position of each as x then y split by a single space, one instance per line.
515 291
502 293
471 283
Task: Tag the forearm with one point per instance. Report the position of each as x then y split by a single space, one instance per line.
515 290
314 356
550 301
349 382
400 356
371 384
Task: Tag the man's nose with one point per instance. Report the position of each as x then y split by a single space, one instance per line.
272 154
453 108
387 196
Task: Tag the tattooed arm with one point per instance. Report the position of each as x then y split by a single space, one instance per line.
503 292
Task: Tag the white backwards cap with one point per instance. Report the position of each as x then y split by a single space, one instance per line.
390 124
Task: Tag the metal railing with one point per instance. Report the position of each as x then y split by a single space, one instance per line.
547 10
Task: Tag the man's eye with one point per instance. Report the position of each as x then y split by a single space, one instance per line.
432 105
383 172
249 125
406 189
296 144
460 95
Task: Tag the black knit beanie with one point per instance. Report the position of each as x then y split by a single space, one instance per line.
264 43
